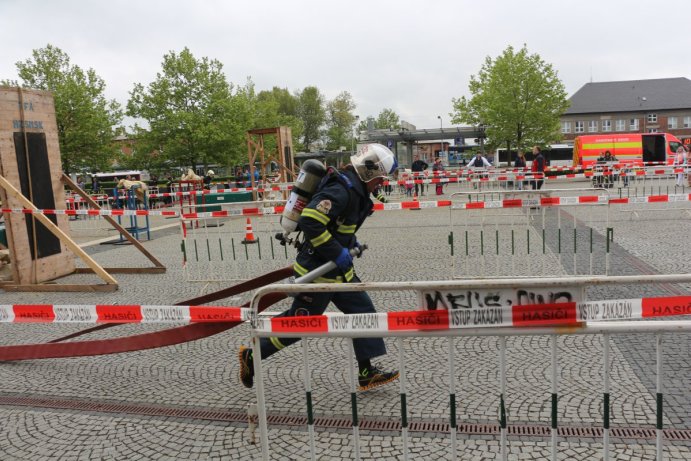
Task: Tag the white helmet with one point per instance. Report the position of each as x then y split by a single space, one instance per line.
210 173
374 161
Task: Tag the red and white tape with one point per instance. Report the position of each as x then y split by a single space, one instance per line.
534 315
476 317
249 211
406 205
48 313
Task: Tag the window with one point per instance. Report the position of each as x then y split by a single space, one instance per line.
621 125
566 127
579 127
672 122
606 125
653 130
592 126
652 118
633 124
687 122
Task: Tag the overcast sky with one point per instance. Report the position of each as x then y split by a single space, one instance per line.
410 56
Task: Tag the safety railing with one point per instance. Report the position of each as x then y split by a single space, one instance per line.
236 245
485 302
528 233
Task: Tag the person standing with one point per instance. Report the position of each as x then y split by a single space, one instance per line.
479 161
520 165
438 169
329 222
680 160
538 168
417 168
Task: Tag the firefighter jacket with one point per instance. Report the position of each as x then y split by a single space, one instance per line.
329 222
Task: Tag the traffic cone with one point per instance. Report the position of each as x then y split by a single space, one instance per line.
249 235
417 203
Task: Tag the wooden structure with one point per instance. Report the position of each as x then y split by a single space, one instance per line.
282 154
31 177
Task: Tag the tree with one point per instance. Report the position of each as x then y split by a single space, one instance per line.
277 108
85 119
310 110
386 119
340 121
518 97
194 115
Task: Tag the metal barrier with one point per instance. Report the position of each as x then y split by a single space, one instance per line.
532 240
217 249
425 326
86 222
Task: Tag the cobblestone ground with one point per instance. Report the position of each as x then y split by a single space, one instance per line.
404 246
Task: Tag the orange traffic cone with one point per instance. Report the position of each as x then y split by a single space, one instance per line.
417 203
249 235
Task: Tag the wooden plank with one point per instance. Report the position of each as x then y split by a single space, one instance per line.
67 180
55 287
123 270
55 230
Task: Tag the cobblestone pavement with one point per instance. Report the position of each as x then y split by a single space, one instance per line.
404 246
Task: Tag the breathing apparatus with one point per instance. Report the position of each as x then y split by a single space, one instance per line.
305 186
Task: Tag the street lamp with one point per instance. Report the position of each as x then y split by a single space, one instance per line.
441 135
357 117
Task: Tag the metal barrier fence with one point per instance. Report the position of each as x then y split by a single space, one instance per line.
430 294
529 239
227 249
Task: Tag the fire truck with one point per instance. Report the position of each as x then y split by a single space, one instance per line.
634 148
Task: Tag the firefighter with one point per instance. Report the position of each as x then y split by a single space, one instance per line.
329 223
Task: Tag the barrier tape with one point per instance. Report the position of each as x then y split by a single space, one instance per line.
95 198
47 313
444 178
253 211
534 315
406 205
488 176
487 316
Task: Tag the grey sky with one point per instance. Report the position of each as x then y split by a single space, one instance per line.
410 56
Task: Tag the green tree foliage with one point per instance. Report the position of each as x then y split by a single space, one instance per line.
310 110
194 115
518 96
386 119
340 121
85 119
278 108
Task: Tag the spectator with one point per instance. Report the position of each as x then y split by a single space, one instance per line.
169 189
248 182
538 168
479 162
438 170
238 177
520 163
610 161
95 185
417 168
680 160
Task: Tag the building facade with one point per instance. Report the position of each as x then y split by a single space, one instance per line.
637 106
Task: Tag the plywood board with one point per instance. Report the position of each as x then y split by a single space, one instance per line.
30 161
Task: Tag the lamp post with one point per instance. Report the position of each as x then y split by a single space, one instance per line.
357 118
441 135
